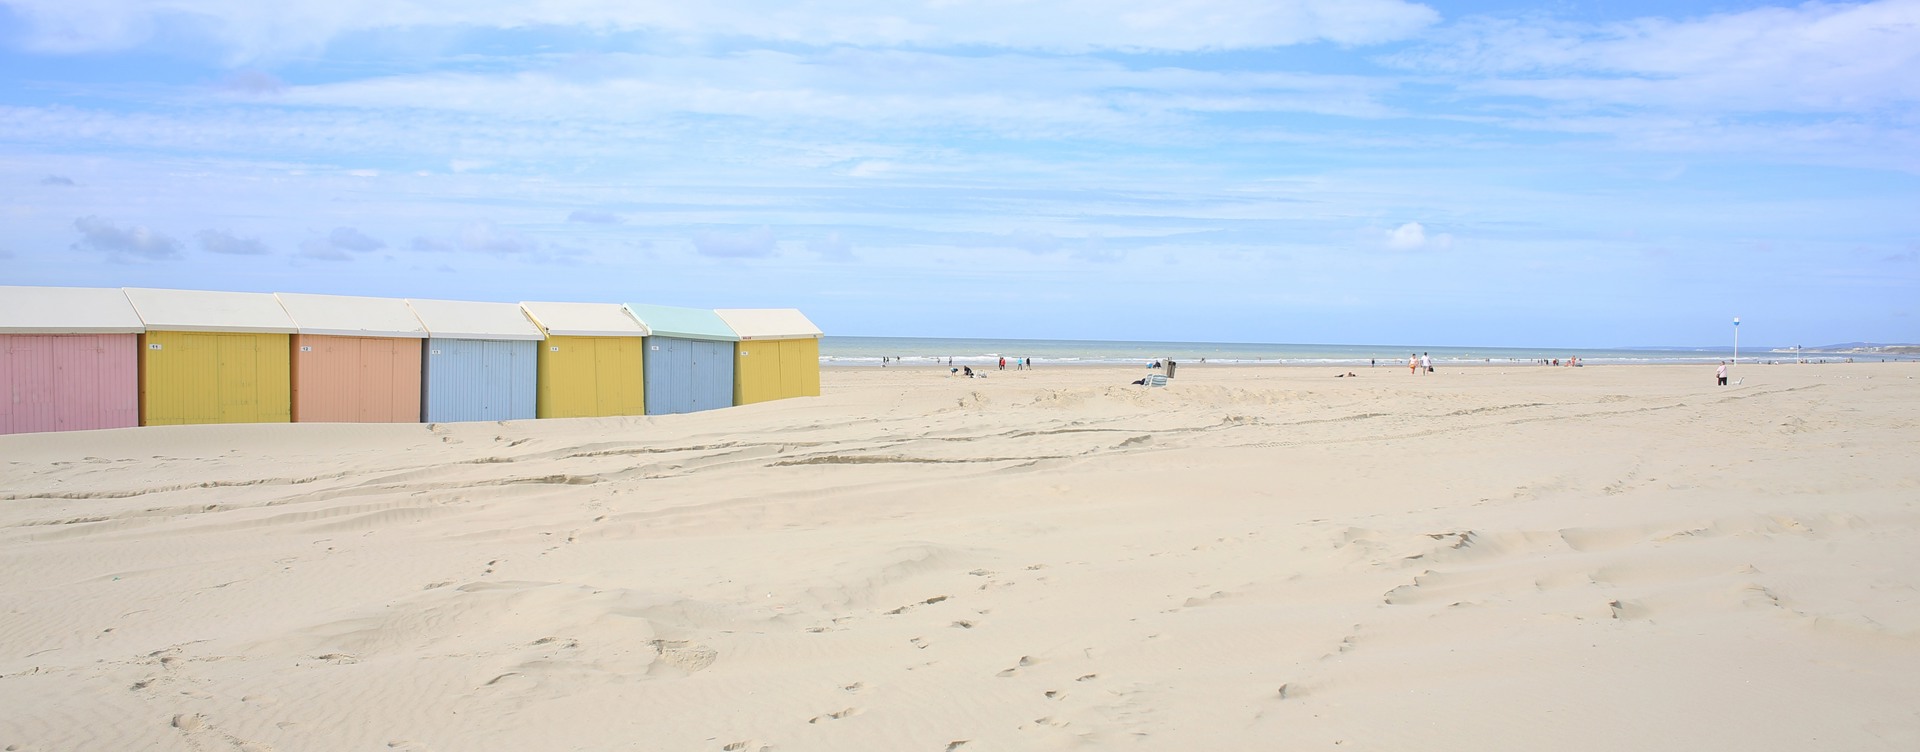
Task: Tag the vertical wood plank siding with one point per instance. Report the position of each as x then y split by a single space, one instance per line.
478 379
68 382
355 379
771 369
688 375
214 377
591 377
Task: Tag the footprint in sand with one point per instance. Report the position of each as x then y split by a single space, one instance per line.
1025 661
834 716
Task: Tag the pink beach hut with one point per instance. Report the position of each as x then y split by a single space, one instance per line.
69 359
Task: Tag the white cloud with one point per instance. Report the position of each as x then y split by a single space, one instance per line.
755 243
431 245
832 247
339 244
870 168
1413 236
252 30
487 237
221 241
119 243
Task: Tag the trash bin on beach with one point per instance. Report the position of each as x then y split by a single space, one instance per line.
1170 367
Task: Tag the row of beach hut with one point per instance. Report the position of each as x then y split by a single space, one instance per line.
86 358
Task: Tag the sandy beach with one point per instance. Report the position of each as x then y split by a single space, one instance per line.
1490 558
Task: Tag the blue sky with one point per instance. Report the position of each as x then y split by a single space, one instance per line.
1364 171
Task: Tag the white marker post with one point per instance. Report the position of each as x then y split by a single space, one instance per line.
1736 340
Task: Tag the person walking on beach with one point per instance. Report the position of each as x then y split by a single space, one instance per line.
1413 364
1426 364
1003 362
1722 373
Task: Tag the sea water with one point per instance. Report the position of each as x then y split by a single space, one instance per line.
929 351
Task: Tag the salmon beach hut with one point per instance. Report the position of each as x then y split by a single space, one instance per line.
778 356
69 359
212 357
355 359
480 361
689 358
591 365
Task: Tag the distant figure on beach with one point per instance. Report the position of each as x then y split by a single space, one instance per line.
1344 375
1003 362
1371 362
968 370
1426 363
1413 364
1722 373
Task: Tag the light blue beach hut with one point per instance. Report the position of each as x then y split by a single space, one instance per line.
689 359
479 362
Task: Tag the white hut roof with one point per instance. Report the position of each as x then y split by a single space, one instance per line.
351 316
769 323
585 319
208 311
67 310
465 319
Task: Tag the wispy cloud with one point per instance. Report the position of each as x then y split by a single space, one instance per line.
278 30
254 82
1816 57
57 180
590 216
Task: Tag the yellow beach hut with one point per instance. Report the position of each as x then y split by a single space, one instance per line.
778 355
591 364
212 357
